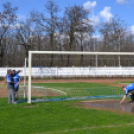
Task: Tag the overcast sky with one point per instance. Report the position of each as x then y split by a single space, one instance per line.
102 10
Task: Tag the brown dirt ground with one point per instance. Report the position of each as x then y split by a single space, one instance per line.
107 105
4 92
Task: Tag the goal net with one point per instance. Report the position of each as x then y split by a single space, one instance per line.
55 76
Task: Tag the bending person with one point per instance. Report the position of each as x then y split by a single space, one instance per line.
129 89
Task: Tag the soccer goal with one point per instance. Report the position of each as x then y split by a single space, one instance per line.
68 65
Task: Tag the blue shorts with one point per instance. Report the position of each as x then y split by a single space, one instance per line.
16 88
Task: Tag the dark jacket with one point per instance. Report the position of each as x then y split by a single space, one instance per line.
10 80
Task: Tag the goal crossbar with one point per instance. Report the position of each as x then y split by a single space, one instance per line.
80 53
66 53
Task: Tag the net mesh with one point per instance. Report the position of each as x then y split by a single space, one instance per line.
61 93
66 67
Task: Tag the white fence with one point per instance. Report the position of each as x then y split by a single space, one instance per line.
75 71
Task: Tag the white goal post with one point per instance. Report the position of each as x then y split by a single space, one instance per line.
65 53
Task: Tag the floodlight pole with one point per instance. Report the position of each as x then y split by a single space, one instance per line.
29 76
25 79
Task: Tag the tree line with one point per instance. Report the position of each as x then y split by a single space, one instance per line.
71 31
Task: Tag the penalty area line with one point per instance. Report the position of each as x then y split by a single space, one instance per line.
57 90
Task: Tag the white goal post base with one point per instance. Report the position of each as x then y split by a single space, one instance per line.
66 53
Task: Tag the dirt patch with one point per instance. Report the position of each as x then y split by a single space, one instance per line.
112 84
43 92
3 90
111 105
82 80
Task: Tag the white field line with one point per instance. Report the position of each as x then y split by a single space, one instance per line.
57 90
38 87
41 87
88 128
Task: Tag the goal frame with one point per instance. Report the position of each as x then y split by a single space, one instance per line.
64 53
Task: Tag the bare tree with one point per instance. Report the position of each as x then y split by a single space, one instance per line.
73 15
7 18
84 30
50 23
24 36
113 33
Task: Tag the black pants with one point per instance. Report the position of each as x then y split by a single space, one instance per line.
132 97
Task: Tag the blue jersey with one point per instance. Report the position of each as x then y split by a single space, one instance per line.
10 80
129 88
16 78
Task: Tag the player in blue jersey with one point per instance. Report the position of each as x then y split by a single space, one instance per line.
129 89
10 84
16 85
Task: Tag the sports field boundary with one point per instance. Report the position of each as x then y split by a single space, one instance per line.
88 128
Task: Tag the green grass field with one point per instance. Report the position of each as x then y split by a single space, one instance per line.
82 89
63 117
60 118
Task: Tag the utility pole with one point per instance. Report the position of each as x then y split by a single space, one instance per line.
96 59
119 45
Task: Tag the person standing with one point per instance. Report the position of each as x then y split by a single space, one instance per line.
16 85
10 85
